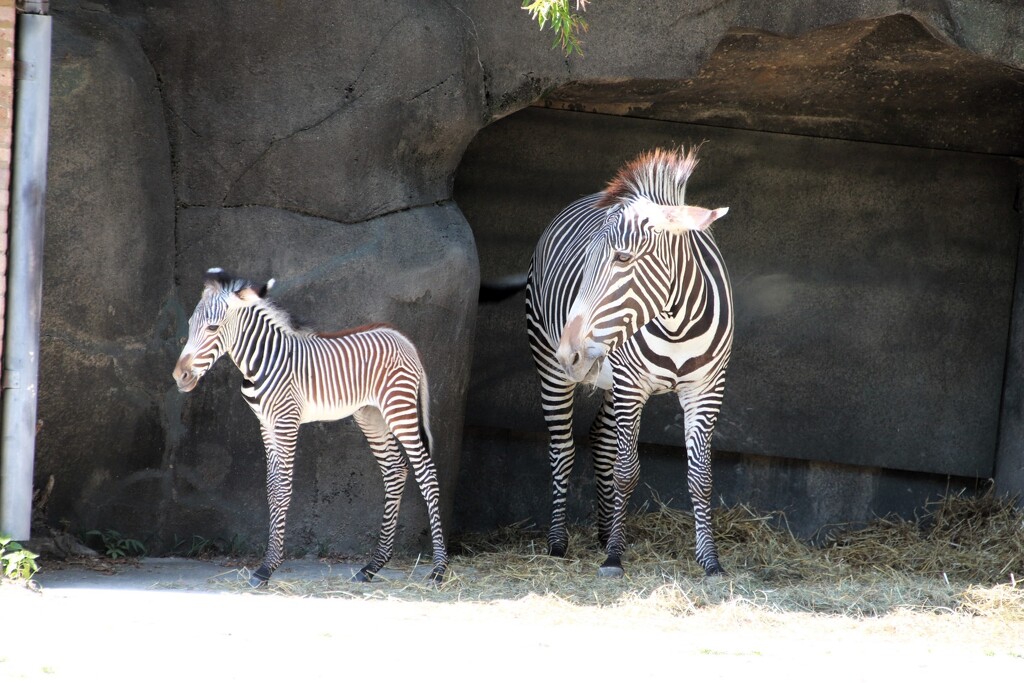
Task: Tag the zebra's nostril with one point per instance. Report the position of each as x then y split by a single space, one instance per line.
576 358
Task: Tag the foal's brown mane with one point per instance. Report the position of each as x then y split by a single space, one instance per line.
659 175
354 330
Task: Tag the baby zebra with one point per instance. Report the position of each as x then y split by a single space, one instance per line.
293 375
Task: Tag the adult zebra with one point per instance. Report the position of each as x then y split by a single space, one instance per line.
628 291
293 375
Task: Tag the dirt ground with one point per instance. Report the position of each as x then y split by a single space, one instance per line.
172 619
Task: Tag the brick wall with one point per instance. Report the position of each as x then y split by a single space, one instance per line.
7 19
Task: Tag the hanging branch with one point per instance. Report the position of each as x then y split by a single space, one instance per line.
566 24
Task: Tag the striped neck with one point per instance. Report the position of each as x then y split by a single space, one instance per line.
258 338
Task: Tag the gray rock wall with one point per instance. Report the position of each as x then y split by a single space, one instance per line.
316 143
306 146
334 276
108 313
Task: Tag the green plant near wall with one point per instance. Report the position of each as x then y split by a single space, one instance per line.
566 24
16 563
116 546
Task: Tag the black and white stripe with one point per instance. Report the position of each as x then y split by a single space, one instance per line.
292 375
628 291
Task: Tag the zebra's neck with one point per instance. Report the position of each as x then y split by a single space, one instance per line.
259 341
682 250
700 275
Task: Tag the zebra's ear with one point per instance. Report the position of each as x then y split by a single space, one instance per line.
246 296
217 277
680 219
265 289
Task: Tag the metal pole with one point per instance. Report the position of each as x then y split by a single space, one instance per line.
25 272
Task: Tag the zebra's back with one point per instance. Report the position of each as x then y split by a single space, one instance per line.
340 372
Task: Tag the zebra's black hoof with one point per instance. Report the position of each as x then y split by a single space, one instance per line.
558 550
362 576
259 578
715 571
611 569
436 577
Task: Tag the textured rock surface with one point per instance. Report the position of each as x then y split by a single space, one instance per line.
332 276
108 279
307 146
316 143
879 80
342 110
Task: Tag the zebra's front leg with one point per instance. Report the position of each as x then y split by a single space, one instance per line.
604 448
279 440
557 404
700 414
394 471
627 406
698 479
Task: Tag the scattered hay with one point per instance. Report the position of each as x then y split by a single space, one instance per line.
959 539
1003 601
962 557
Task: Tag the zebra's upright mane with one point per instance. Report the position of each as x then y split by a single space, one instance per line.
279 316
659 175
225 282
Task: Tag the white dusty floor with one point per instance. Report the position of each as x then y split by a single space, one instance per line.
174 620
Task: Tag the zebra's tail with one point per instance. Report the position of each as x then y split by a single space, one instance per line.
499 289
424 401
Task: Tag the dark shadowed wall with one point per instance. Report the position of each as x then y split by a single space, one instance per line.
874 283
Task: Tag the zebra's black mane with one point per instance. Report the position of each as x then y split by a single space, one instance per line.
659 176
223 281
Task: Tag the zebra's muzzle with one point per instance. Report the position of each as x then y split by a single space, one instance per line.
183 375
579 356
581 361
582 368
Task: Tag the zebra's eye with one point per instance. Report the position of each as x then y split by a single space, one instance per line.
623 257
212 328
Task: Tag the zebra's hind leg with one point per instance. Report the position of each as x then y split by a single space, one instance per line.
394 471
279 440
408 434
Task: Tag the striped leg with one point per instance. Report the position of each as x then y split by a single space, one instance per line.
628 404
279 440
557 404
604 448
402 417
394 471
700 413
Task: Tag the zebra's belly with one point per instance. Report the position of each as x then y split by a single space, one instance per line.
314 412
